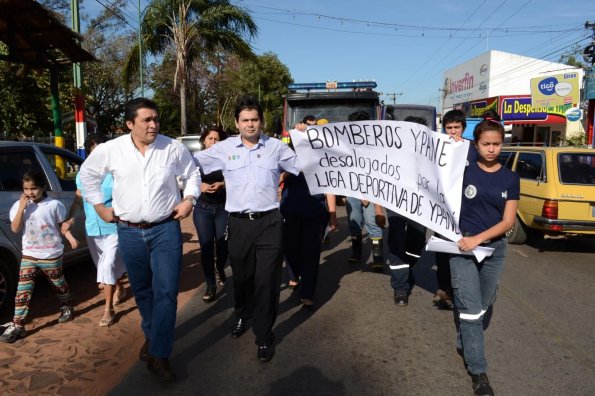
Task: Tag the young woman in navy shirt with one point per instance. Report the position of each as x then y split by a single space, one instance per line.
488 210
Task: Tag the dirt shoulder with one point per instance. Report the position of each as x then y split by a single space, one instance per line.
79 357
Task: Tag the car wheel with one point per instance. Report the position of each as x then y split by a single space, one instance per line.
517 235
8 285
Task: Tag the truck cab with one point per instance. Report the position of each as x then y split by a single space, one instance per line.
333 101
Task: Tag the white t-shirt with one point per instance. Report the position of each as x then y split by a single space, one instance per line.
41 237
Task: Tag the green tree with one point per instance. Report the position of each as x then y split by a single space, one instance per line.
105 89
191 29
266 78
572 57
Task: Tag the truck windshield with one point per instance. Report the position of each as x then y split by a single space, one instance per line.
334 111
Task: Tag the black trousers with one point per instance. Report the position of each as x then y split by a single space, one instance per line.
303 243
443 272
256 255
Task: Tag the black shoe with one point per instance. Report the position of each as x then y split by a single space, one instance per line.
67 313
238 328
356 249
162 369
265 352
401 298
209 294
144 354
481 385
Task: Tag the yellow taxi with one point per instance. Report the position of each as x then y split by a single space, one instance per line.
557 190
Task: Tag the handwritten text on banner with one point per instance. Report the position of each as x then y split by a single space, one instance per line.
402 166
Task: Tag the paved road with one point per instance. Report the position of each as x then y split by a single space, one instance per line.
541 339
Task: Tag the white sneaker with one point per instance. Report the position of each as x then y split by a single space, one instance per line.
12 333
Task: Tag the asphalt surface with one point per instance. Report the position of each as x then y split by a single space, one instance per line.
540 341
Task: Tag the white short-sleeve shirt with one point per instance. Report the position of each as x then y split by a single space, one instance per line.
41 236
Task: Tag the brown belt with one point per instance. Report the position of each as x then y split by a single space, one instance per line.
145 225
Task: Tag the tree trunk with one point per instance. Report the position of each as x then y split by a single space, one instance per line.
183 129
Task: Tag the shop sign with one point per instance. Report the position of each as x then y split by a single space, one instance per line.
478 107
590 85
574 114
521 109
557 90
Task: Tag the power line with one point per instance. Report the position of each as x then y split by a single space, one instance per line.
115 13
526 29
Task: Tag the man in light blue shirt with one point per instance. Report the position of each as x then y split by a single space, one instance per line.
252 163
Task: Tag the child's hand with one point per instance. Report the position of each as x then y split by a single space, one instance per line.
23 201
66 226
74 243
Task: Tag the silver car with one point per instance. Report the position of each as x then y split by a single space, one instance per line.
60 168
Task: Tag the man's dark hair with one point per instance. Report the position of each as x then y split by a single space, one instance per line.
359 115
132 106
92 140
456 115
417 120
214 128
248 102
310 118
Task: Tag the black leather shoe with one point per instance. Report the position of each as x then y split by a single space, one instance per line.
144 354
238 328
162 369
401 298
265 352
481 385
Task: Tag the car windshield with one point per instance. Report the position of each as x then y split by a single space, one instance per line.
334 111
577 168
192 144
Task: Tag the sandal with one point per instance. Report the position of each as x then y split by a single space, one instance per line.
108 318
293 284
120 294
442 300
209 294
308 304
220 278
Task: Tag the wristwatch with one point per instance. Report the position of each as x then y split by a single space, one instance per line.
192 200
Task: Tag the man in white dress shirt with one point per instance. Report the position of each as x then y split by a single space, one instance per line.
147 207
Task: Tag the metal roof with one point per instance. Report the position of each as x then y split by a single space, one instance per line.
37 37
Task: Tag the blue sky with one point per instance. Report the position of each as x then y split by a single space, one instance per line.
406 45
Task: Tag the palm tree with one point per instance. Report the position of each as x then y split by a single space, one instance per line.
191 29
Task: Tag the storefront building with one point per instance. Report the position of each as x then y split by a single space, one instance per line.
501 82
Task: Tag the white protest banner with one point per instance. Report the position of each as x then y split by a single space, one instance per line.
403 166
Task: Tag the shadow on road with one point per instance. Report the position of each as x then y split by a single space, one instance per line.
579 244
306 381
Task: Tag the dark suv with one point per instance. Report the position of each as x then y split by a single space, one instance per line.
60 168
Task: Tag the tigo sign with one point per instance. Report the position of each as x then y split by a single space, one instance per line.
558 90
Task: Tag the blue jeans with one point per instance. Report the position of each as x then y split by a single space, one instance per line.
360 215
153 258
474 286
211 222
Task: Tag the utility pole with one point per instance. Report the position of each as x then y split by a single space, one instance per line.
140 53
79 99
394 96
589 57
